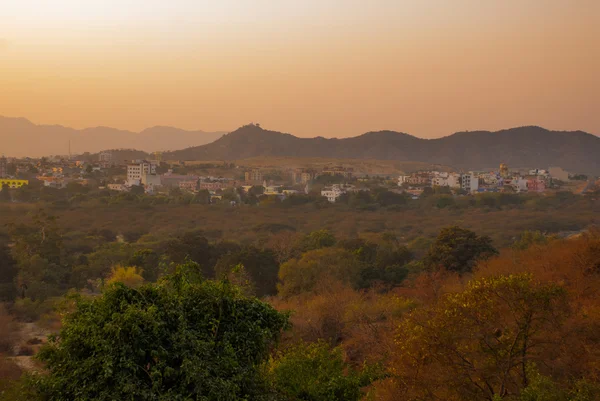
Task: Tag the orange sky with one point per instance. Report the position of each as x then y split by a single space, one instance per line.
311 67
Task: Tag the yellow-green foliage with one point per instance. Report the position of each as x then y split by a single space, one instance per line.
129 275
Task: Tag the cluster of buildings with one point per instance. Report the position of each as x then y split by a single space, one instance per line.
335 191
144 173
301 176
502 180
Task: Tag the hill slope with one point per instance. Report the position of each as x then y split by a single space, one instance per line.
519 147
20 137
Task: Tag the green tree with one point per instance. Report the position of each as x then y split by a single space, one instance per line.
260 265
317 240
149 261
194 246
315 372
8 274
457 249
180 339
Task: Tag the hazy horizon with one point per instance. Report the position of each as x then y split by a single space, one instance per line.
318 68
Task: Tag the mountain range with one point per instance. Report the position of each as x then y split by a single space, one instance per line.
532 146
20 137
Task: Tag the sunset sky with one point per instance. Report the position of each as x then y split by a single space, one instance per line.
311 67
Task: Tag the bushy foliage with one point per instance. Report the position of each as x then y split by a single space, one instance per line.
316 372
177 340
458 249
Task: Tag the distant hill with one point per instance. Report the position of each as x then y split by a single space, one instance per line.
20 137
574 151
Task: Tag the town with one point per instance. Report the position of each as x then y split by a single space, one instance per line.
226 182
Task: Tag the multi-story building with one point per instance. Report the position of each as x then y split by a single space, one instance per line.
138 169
105 159
3 167
303 176
469 182
254 176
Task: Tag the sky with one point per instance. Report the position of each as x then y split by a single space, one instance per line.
333 68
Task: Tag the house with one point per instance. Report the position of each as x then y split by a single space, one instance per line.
536 185
118 187
333 193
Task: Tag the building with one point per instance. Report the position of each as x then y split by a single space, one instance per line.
469 182
117 187
423 178
213 185
13 183
253 176
333 193
558 173
338 170
105 159
3 167
536 185
188 186
171 180
136 170
303 176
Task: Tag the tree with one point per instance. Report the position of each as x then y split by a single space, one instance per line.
530 238
127 275
8 274
180 339
317 240
194 246
316 372
260 265
137 190
297 276
389 198
457 249
149 262
478 344
5 193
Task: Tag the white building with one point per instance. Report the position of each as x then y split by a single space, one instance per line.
136 171
469 182
333 193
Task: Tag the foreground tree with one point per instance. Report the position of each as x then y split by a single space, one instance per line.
180 339
478 344
457 249
316 372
